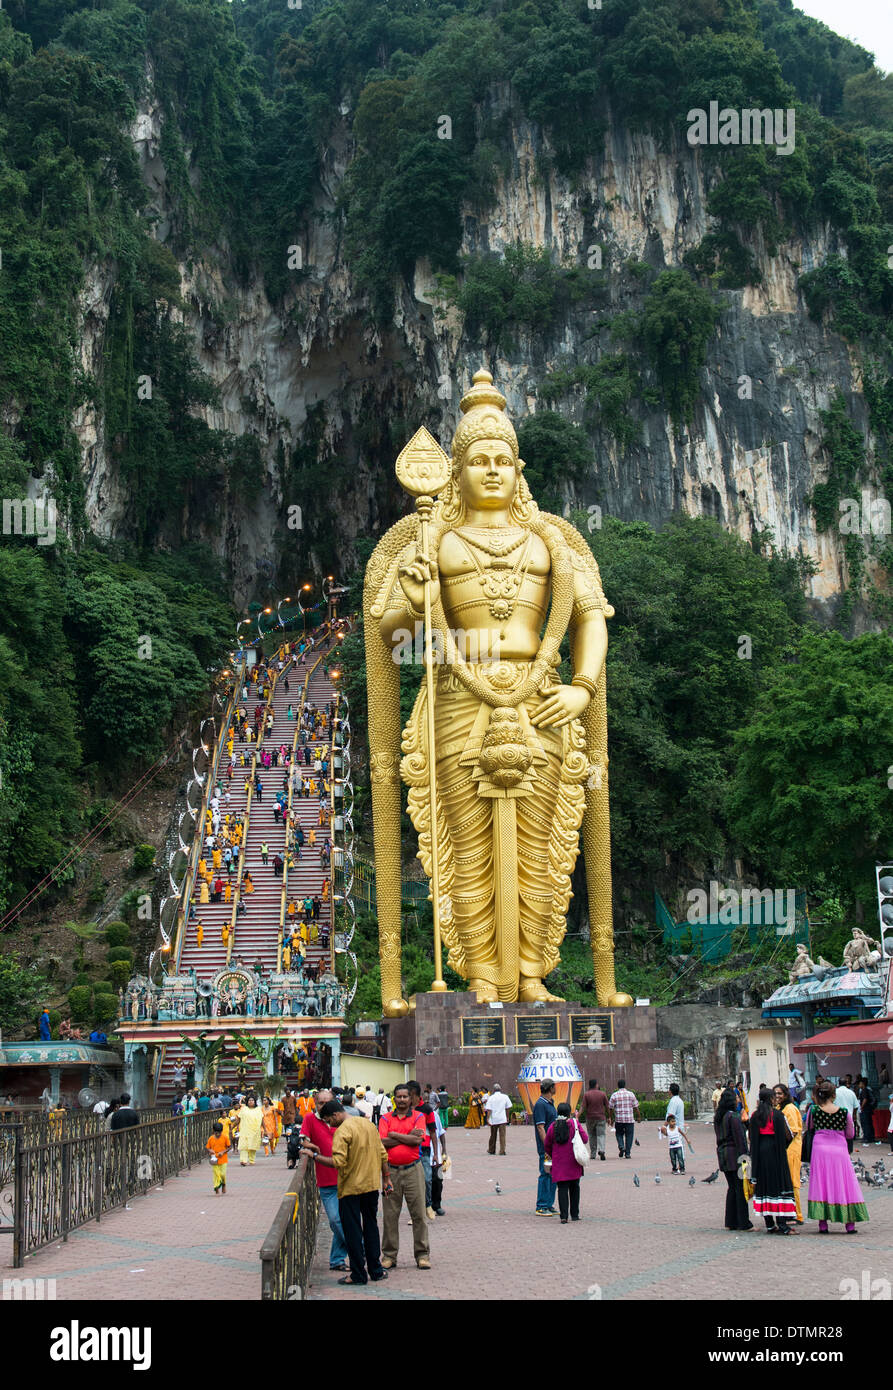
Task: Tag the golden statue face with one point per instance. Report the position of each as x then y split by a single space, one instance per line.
489 478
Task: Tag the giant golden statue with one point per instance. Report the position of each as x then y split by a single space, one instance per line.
521 760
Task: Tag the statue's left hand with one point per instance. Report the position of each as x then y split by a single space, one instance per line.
564 703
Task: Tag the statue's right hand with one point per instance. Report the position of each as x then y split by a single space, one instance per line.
412 577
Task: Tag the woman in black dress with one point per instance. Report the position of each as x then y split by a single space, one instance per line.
731 1144
773 1197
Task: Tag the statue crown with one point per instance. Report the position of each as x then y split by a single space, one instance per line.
483 408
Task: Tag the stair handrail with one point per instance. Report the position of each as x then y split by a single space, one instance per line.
198 838
283 902
332 836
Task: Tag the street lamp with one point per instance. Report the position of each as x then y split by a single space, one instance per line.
287 599
327 595
305 589
260 617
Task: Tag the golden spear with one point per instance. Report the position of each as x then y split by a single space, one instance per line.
423 470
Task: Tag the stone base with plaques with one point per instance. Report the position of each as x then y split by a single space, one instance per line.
452 1040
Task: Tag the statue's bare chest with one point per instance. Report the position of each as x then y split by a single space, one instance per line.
491 574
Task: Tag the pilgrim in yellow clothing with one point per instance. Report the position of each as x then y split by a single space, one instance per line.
203 895
250 1125
199 933
286 958
202 867
475 1114
217 858
224 934
228 893
795 1125
248 883
311 837
270 1126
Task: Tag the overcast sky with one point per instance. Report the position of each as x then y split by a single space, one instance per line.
866 22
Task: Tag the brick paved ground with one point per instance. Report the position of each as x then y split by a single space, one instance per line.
179 1242
651 1242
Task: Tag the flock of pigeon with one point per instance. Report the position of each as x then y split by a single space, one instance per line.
878 1176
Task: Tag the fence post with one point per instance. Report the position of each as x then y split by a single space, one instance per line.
66 1187
101 1156
18 1218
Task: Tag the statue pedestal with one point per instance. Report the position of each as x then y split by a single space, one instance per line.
452 1040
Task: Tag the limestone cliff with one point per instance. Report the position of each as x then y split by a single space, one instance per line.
747 460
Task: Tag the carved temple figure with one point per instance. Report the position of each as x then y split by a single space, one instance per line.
858 953
802 965
521 758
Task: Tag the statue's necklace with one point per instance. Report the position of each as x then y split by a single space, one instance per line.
501 588
491 541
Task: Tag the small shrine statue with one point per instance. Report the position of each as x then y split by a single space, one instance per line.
858 955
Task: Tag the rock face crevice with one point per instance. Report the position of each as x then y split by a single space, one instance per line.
749 457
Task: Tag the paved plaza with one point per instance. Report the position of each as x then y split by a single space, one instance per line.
657 1241
663 1241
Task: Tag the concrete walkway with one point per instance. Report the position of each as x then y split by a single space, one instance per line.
657 1241
178 1242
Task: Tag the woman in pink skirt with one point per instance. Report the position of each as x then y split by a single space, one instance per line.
833 1190
566 1171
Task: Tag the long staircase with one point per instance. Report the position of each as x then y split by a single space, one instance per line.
256 935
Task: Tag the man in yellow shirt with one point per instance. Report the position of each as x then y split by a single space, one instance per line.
362 1163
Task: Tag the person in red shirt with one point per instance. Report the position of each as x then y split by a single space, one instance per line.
403 1131
428 1152
316 1138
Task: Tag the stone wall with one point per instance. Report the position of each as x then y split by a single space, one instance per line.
709 1043
430 1038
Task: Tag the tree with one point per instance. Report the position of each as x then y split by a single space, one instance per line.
678 321
206 1054
265 1051
22 993
555 451
680 681
810 786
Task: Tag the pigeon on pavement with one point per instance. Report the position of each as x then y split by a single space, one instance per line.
636 1180
498 1190
657 1178
692 1181
713 1176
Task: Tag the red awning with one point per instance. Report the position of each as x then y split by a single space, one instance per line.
871 1035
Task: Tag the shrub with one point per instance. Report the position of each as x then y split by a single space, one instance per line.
117 933
79 1002
143 858
120 953
120 972
82 979
678 321
105 987
105 1009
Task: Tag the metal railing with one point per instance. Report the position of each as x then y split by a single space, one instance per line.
289 835
286 1256
38 1125
61 1183
187 887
